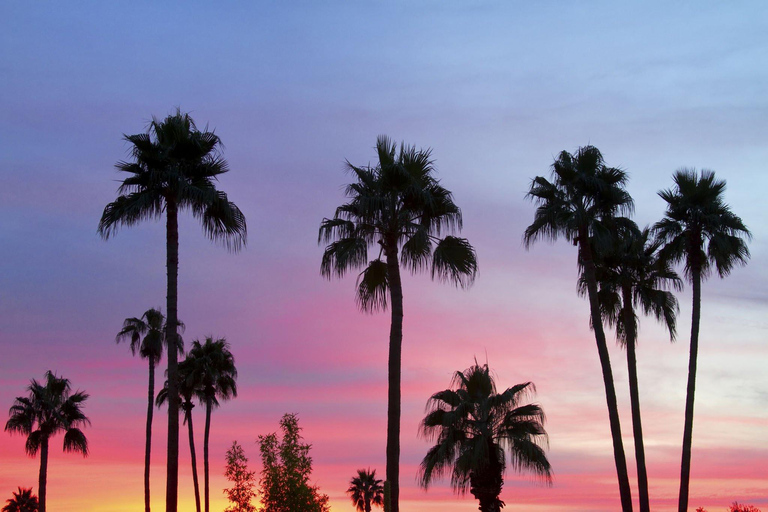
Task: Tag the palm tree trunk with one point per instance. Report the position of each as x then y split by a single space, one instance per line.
188 415
634 397
208 406
605 363
395 355
685 466
43 477
148 445
172 263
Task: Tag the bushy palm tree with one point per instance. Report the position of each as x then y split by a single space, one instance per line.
187 388
22 501
213 374
700 230
474 428
49 408
147 336
632 276
583 194
175 167
366 490
400 208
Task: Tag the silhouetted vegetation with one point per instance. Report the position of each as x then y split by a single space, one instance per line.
175 167
22 501
366 490
49 408
474 428
241 493
400 208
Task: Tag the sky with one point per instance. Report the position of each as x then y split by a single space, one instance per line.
496 89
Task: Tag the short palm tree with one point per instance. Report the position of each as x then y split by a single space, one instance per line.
699 229
186 388
475 428
365 490
175 167
585 193
400 208
146 336
213 374
49 408
22 501
632 276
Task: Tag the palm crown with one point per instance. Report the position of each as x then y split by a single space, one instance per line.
22 501
366 490
474 427
401 206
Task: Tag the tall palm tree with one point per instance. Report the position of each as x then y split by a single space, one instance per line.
366 490
186 387
22 501
474 428
175 167
400 208
583 194
631 275
699 229
146 336
213 374
49 408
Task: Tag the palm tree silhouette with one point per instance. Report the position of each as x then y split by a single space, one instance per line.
474 428
700 229
400 206
213 374
147 336
22 501
366 490
583 194
186 387
49 409
175 167
631 275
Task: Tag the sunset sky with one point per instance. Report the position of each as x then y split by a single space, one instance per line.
497 89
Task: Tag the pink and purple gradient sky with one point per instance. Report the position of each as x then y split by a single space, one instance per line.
295 88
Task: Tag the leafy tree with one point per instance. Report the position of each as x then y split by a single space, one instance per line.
401 209
366 490
22 501
475 428
175 167
284 484
211 371
631 275
244 480
49 408
699 229
585 193
147 336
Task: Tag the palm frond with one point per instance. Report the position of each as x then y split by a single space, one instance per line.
454 260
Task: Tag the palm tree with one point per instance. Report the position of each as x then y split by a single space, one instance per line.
631 275
22 501
146 335
213 374
399 206
186 387
700 229
49 409
474 428
583 194
175 167
366 490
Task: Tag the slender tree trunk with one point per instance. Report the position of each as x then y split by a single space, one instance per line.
395 355
685 466
43 477
172 263
634 397
486 484
148 445
188 414
208 406
605 363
